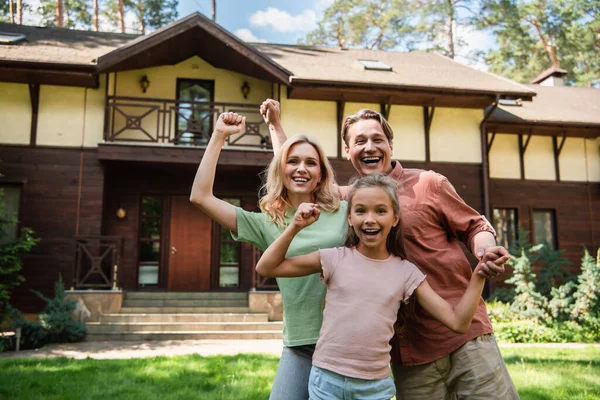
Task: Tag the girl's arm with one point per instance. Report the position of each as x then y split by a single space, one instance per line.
273 262
456 318
202 190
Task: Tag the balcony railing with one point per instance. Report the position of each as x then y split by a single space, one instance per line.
96 262
178 122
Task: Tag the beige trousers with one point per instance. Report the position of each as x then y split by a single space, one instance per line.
474 371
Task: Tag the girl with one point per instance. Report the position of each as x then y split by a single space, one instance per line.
367 281
299 173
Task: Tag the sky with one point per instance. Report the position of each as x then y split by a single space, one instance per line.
282 21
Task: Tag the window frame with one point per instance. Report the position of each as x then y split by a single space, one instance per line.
554 221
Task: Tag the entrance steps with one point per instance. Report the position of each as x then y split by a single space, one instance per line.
183 316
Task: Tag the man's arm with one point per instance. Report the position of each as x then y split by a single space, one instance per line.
466 224
271 113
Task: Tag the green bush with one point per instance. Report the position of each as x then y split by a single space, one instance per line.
11 256
56 318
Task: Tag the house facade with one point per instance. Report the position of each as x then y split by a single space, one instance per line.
101 135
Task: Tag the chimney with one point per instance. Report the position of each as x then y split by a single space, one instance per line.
553 76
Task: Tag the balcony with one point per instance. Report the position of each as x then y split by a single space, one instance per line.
178 123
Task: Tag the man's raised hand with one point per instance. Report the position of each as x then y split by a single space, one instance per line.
271 112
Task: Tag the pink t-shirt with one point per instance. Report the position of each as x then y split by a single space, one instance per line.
363 298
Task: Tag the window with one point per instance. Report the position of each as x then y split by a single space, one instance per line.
11 38
544 227
150 228
195 119
229 256
11 197
374 65
506 225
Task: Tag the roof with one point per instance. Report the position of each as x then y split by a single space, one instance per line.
554 105
409 70
60 45
553 70
99 52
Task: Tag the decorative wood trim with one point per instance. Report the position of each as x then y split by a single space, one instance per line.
428 113
386 109
522 149
546 129
491 141
34 96
339 106
49 77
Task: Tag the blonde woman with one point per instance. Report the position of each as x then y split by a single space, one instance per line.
299 173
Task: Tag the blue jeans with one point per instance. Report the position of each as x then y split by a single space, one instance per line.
291 380
327 385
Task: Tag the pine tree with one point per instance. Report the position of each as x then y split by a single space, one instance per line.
369 24
534 35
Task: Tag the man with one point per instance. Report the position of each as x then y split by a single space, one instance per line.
428 360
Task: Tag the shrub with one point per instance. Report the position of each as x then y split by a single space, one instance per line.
11 257
56 318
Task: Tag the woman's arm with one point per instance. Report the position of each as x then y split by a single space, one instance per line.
202 190
456 318
273 262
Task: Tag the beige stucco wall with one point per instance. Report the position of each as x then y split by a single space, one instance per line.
70 116
409 134
592 147
539 159
455 135
15 113
314 118
572 160
504 159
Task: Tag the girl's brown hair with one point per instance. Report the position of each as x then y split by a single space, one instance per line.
275 200
395 241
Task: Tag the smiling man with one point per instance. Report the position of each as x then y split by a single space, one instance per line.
428 359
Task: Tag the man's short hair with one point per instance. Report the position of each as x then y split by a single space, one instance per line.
365 114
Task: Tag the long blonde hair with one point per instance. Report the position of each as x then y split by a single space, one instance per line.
275 201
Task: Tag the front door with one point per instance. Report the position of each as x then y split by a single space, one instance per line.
189 246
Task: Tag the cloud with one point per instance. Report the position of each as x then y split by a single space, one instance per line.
247 36
282 21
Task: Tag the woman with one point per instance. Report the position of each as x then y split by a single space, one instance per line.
298 173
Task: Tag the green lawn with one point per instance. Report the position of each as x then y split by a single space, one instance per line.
539 374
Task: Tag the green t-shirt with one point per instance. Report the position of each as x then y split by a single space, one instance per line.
303 297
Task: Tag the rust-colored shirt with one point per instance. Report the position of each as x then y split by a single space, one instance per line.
434 220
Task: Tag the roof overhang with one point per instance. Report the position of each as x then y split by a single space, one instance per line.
306 89
541 128
194 35
49 73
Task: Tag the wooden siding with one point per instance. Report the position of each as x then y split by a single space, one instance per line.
51 195
576 206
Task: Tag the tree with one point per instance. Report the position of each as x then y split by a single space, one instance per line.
153 14
214 10
369 24
438 21
114 13
534 35
65 13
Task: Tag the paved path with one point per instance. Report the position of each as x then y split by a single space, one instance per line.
124 350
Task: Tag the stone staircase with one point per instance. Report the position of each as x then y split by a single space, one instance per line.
182 316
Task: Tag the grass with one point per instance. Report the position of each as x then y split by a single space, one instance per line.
540 373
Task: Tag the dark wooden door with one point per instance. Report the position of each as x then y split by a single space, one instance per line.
189 247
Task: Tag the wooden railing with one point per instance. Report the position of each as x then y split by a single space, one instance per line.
260 282
96 262
178 122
